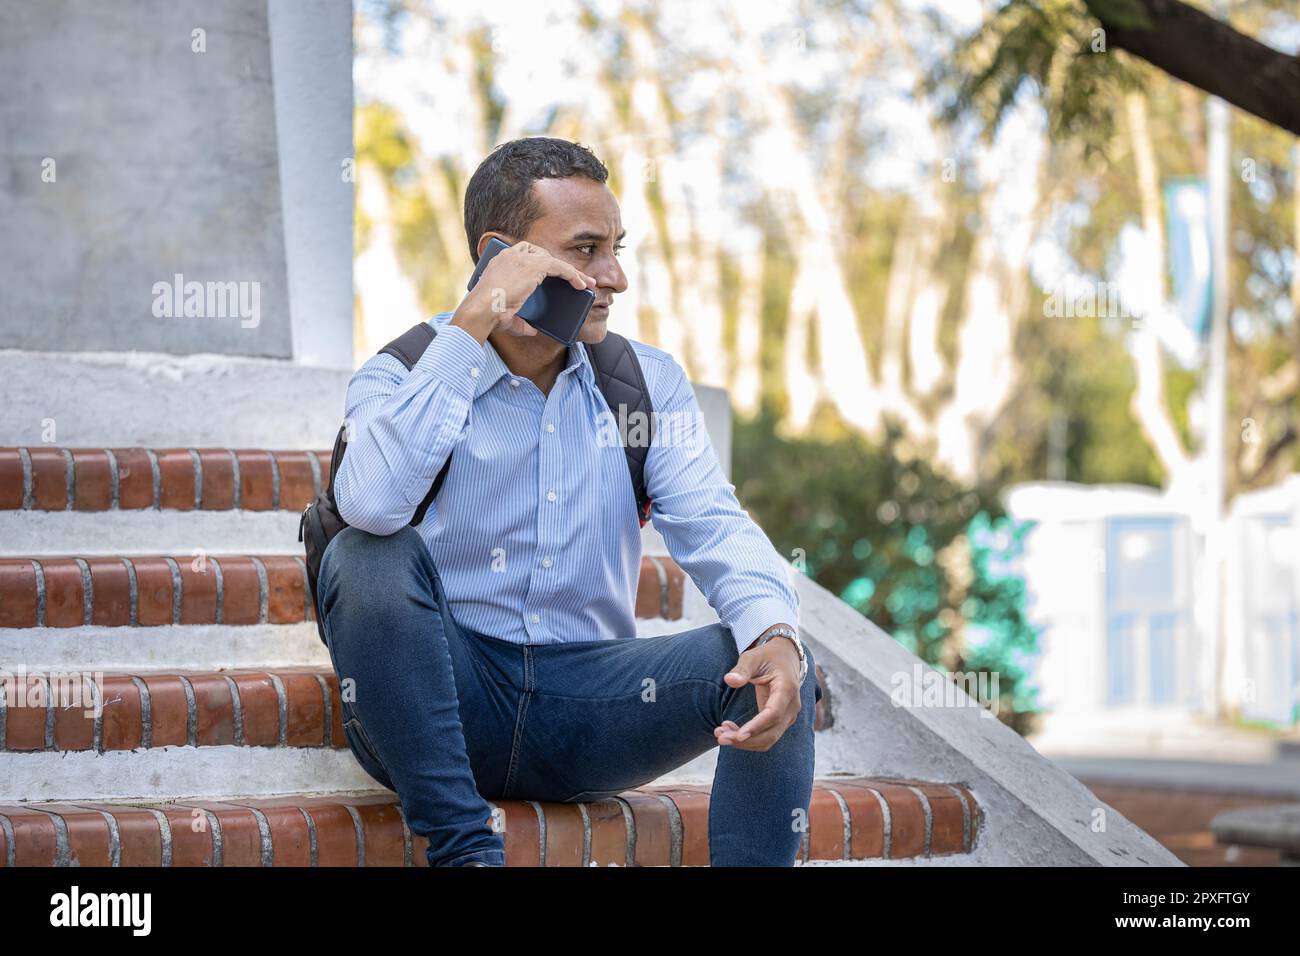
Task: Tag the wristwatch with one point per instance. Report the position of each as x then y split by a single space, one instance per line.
785 630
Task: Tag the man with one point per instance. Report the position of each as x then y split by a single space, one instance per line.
492 649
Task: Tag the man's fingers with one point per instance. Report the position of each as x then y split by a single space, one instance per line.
765 719
577 278
738 676
727 731
778 702
580 281
760 741
748 668
537 257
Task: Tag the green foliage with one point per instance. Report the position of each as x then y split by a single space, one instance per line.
879 527
1075 369
998 637
1055 47
383 141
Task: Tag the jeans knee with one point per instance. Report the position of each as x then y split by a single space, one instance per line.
363 553
359 569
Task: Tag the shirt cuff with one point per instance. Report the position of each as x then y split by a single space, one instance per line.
454 358
758 617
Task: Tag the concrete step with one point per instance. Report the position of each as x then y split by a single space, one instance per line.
193 533
179 648
850 818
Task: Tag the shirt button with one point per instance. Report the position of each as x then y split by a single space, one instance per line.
474 372
550 427
546 562
536 618
550 496
514 382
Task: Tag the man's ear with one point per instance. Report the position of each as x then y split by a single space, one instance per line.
484 239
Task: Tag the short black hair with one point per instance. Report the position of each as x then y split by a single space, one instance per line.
499 196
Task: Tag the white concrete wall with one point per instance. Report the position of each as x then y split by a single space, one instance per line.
164 163
142 141
311 65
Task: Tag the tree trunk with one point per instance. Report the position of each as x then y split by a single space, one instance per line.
746 382
993 299
1149 403
820 289
1208 53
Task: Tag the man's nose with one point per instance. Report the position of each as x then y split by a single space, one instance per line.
610 274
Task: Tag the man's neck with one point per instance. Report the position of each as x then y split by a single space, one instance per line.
538 358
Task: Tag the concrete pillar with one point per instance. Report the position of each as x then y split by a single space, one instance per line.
171 178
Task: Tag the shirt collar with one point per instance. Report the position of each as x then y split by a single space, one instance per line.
578 363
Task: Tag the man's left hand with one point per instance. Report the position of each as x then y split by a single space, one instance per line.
773 669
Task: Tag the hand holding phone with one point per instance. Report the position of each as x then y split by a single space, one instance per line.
531 291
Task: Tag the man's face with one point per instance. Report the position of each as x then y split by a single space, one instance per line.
580 224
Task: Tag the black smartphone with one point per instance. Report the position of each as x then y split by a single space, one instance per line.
555 308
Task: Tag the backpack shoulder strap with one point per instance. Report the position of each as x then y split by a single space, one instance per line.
410 345
621 381
407 349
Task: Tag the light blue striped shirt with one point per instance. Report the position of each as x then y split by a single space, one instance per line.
535 531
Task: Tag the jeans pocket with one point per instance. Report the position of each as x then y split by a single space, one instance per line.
364 751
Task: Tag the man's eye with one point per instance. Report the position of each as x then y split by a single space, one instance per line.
619 248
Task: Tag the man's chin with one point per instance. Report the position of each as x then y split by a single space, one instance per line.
594 329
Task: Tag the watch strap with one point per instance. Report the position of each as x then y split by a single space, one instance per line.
784 630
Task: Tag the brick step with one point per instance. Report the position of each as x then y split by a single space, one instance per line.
284 707
52 478
154 590
287 707
850 818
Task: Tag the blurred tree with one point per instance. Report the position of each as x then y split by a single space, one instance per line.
1120 128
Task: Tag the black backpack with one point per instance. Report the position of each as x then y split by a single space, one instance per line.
618 373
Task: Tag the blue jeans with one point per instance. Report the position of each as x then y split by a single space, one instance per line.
449 718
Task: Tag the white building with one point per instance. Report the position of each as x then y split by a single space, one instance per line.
1262 639
1117 580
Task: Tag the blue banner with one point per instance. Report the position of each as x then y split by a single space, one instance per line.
1191 269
